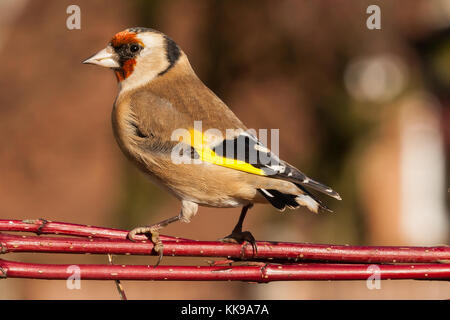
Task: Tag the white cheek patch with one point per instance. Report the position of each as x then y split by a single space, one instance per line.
145 52
150 39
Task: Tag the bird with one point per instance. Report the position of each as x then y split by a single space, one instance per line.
189 142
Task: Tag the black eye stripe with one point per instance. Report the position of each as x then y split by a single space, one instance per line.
127 51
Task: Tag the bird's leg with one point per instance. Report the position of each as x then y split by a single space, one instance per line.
152 232
239 236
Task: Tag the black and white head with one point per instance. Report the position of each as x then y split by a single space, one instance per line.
138 55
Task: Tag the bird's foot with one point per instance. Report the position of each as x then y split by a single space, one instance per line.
152 233
241 237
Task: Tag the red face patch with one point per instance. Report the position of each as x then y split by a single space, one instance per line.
124 37
126 70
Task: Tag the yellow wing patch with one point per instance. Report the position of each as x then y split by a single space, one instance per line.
200 144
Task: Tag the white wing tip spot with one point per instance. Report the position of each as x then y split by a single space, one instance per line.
267 193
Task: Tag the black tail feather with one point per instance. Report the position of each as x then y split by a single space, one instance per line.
282 200
298 177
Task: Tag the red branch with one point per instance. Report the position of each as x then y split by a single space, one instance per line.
42 226
263 273
98 240
266 250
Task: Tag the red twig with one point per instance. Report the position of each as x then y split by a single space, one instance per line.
265 273
112 241
266 250
43 226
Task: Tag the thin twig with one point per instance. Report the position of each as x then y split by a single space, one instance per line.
266 273
119 286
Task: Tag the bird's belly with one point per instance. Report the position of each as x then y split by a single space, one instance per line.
205 184
208 195
219 203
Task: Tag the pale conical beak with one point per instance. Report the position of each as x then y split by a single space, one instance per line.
105 58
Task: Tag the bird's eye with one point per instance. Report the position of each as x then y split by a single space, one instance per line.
134 48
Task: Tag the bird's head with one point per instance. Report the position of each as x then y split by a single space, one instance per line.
138 55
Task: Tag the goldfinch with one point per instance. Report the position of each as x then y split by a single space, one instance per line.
185 138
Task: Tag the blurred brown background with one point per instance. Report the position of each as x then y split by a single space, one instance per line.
365 111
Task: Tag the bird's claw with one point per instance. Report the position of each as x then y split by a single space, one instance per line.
241 237
152 233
